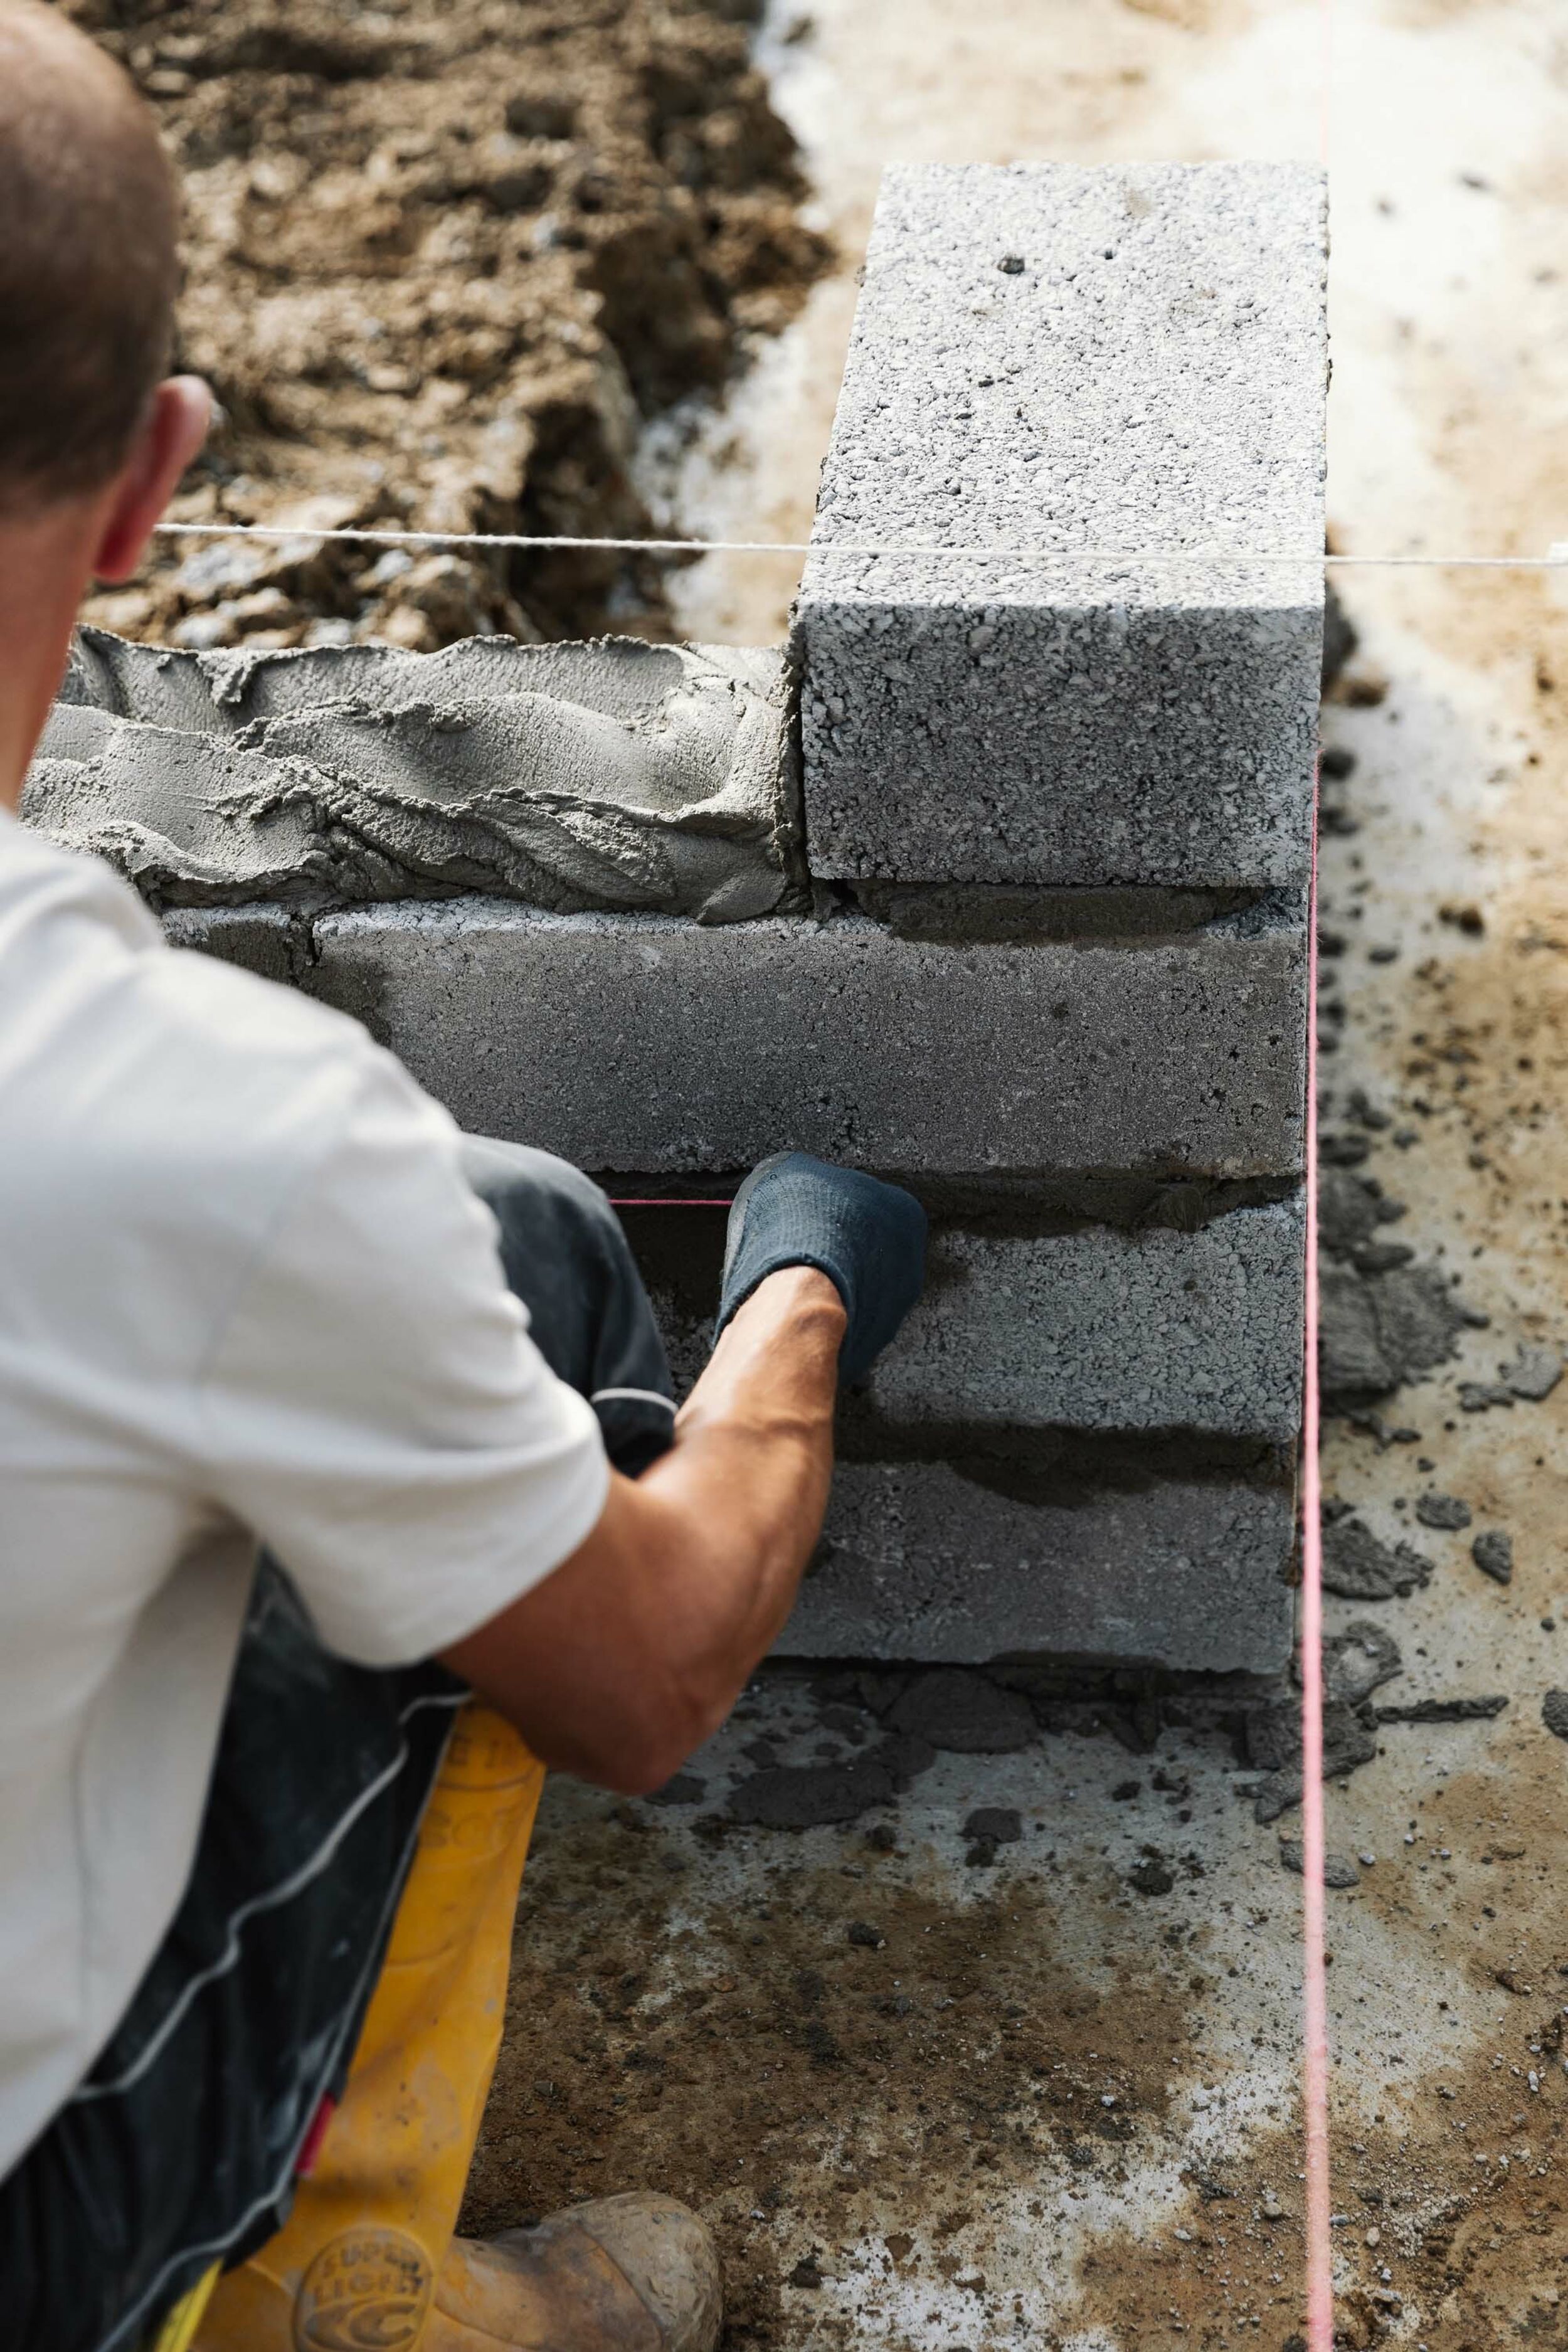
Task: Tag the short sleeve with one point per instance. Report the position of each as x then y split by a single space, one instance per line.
375 1409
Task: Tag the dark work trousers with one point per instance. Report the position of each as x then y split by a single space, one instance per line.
180 2148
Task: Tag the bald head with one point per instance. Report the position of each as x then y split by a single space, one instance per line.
88 265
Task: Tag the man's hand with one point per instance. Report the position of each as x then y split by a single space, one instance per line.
869 1237
635 1649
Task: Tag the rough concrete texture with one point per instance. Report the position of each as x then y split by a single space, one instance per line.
1089 1329
919 1561
612 774
1107 1330
640 1041
1107 361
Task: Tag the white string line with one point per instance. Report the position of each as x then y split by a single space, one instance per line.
1557 561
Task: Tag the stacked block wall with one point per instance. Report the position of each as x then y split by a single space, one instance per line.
1057 983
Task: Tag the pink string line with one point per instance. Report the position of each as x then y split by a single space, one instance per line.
669 1200
1319 2248
1314 1965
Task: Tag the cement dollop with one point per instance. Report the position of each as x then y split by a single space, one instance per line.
613 776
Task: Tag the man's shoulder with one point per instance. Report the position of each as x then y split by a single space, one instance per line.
156 1066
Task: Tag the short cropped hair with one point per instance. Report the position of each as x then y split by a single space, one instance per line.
89 266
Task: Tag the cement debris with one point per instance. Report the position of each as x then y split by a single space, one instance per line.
1273 1741
1358 1661
1379 1332
441 262
610 775
1555 1713
965 1713
1340 1870
807 1796
1446 1710
1445 1512
1482 1396
1003 1824
685 1789
1358 1567
1492 1552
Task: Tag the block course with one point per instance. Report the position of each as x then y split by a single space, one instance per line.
646 1043
1092 1330
919 1561
1121 359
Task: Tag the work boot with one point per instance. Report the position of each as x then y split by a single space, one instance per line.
633 2273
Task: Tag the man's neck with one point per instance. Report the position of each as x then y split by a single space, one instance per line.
45 566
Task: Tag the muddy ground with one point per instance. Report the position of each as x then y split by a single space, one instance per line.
445 259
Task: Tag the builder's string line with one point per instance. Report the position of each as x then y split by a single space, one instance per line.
542 542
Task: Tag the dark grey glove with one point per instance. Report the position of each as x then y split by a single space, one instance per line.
868 1237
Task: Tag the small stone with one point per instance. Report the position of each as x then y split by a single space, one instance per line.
1011 265
866 1936
1534 1372
1270 2207
1002 1823
1374 2236
1338 1869
1446 1511
1492 1552
806 2274
1555 1713
1151 1877
1477 1396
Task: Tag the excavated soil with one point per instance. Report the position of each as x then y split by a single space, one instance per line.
444 258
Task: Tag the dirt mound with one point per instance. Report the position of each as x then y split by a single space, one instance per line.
443 257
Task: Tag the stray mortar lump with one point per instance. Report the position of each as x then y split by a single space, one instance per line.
615 775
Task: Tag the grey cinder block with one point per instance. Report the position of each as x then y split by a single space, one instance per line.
921 1561
1107 362
641 1042
1109 1331
1096 1330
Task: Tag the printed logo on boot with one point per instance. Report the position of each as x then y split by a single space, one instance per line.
367 2291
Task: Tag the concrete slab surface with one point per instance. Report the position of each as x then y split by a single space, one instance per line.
937 1560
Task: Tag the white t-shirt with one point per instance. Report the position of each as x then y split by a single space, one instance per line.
244 1293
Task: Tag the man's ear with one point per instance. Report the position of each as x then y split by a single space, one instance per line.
176 427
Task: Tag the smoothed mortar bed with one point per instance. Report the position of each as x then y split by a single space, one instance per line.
609 774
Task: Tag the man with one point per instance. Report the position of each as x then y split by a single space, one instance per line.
315 1417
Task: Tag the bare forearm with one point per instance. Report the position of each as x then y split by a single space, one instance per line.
636 1648
750 1468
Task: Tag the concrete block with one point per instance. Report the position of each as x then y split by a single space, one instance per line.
1107 1330
643 1043
1111 362
921 1561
